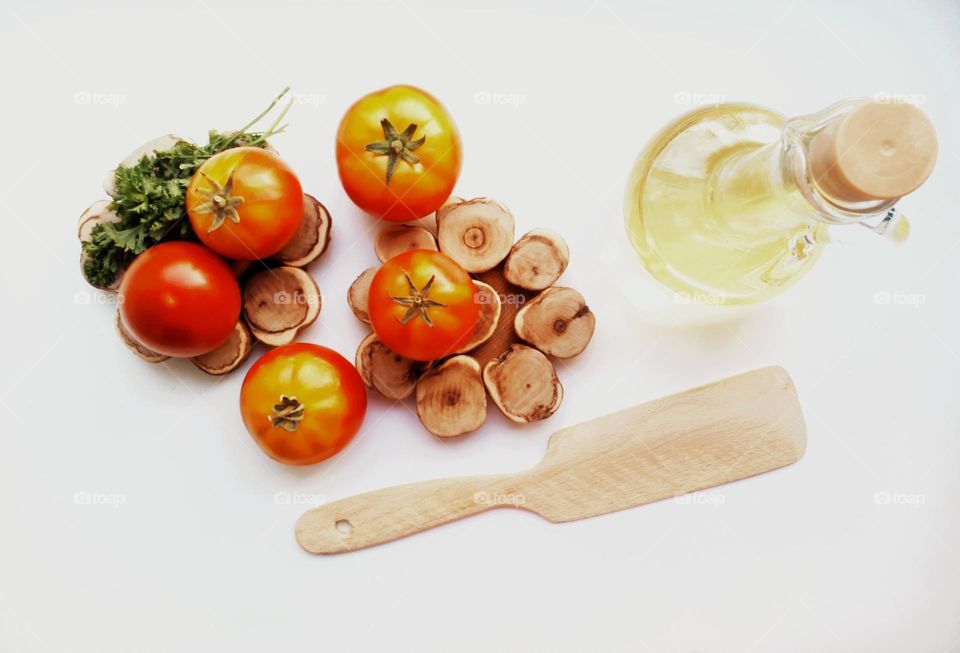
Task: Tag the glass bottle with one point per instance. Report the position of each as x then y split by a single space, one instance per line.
731 204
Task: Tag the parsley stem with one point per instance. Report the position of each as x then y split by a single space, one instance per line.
253 122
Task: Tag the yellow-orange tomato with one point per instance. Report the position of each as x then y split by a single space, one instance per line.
423 305
302 403
245 203
398 153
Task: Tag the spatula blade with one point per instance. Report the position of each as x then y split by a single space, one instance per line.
714 434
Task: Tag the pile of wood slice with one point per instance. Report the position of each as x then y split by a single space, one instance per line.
525 320
280 298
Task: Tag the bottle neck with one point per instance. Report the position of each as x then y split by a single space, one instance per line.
800 147
766 189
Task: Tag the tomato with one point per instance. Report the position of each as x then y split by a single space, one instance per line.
423 305
398 153
179 299
302 403
245 203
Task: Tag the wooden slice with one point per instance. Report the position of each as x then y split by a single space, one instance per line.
477 233
97 213
523 384
451 399
358 295
489 301
228 356
398 238
558 322
158 144
429 221
312 237
141 351
279 303
537 260
390 374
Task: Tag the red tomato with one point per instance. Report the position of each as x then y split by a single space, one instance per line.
423 305
398 153
179 299
302 403
245 203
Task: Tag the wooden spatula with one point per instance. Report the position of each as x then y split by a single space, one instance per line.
707 436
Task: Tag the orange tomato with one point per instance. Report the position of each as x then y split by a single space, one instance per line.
398 153
302 403
179 299
245 203
423 305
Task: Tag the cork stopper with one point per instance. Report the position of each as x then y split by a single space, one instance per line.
878 151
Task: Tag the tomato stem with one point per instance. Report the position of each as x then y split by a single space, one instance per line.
417 302
396 146
220 201
287 414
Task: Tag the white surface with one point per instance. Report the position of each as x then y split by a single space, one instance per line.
200 556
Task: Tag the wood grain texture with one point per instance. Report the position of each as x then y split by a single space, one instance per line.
512 300
700 438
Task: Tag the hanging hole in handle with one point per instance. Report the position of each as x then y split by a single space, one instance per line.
344 526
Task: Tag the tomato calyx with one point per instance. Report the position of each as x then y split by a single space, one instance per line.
220 201
417 302
287 414
396 145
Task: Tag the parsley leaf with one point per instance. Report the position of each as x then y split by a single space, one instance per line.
150 199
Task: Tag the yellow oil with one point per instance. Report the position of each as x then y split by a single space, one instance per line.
710 213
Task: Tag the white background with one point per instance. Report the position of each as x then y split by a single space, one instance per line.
855 548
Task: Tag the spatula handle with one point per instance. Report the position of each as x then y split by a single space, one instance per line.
391 513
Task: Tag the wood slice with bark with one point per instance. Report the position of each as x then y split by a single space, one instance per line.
451 399
429 221
93 215
537 260
558 322
477 233
97 213
523 384
398 238
278 303
228 356
358 295
142 352
390 374
312 237
158 144
487 321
